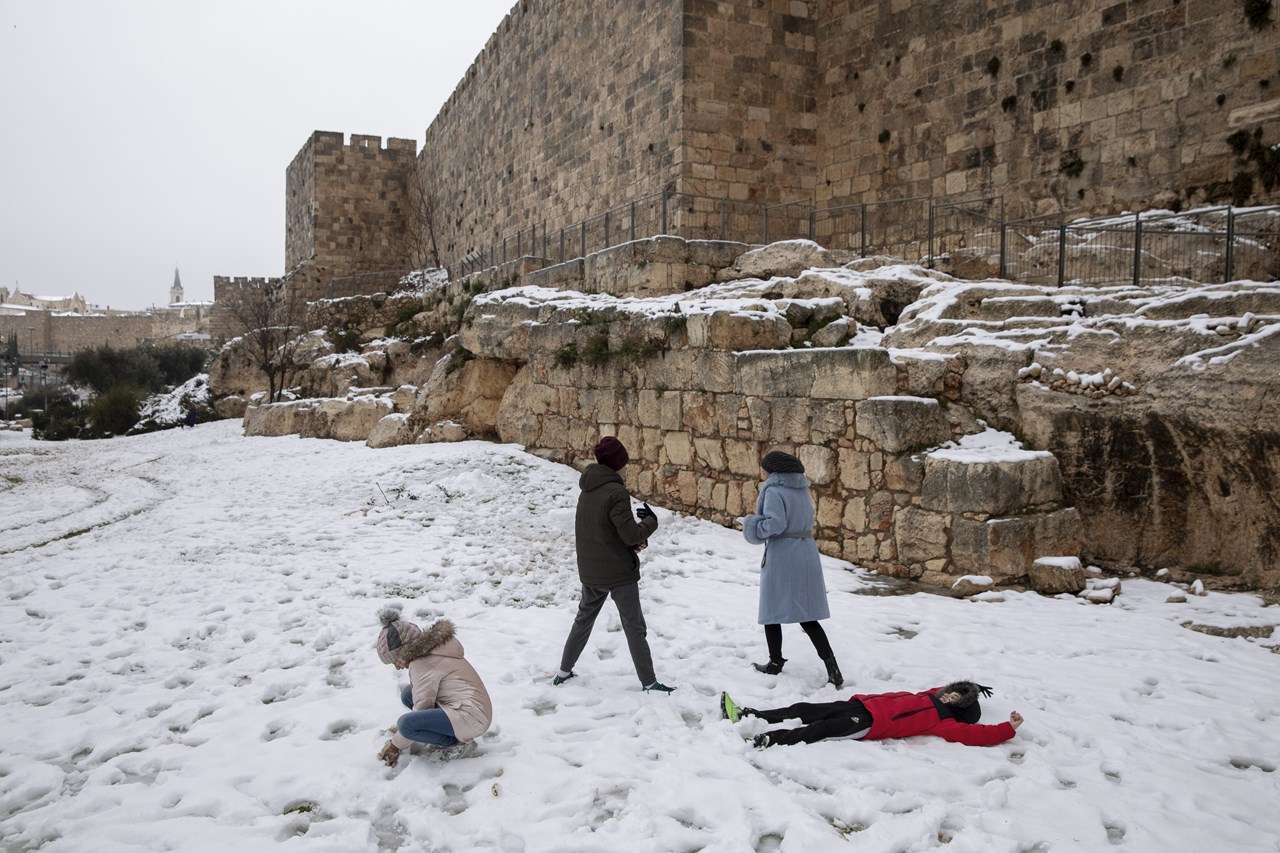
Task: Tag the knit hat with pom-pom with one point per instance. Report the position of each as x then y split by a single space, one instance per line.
395 633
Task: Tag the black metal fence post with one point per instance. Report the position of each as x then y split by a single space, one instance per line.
932 208
1002 243
862 227
1137 249
766 225
606 229
1062 249
1231 244
633 222
584 239
664 211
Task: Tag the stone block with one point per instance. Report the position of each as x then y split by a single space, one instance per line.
819 463
921 535
904 474
788 420
899 424
828 512
678 448
1007 547
743 457
391 431
854 473
852 373
1055 575
709 454
775 374
991 488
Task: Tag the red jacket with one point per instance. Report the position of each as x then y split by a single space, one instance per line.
885 707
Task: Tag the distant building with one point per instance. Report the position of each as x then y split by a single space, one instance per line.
175 292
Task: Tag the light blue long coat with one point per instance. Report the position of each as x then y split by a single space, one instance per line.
791 584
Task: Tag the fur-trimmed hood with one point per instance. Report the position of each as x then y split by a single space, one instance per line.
439 639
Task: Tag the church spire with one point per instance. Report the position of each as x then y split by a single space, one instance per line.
175 292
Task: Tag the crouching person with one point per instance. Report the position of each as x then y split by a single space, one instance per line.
449 707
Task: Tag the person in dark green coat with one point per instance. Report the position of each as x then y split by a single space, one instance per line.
609 539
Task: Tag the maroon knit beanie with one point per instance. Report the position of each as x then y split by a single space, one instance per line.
611 452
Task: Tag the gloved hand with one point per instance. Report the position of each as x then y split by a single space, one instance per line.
390 754
645 512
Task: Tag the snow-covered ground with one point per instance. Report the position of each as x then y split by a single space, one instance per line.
187 622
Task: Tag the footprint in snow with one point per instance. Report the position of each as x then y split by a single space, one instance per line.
338 729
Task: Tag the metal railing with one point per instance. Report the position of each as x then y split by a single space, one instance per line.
1206 245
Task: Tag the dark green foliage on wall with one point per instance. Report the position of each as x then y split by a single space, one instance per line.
1071 165
1257 13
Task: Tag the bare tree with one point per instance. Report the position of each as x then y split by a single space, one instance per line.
269 320
420 247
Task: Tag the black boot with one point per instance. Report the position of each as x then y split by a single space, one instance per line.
773 667
833 671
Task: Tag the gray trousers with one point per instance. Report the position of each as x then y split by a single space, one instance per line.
627 599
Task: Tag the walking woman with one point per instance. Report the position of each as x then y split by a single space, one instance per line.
791 584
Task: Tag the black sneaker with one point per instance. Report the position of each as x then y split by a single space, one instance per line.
659 687
760 741
561 679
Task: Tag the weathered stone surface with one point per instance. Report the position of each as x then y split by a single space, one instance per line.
470 393
1056 575
958 485
819 463
899 424
784 258
277 418
345 420
231 407
391 431
921 535
967 585
775 374
852 373
1007 547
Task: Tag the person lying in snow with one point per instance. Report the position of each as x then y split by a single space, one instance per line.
949 712
449 707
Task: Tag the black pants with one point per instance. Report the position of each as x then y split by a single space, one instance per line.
821 719
817 636
627 597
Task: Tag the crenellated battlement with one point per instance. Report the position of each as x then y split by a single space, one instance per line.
346 202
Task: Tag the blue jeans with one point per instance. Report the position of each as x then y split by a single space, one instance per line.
429 726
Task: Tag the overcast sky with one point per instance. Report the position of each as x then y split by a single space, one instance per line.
137 136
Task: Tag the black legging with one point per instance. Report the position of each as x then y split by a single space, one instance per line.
773 637
821 719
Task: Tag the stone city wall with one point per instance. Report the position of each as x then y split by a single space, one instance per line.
345 204
43 332
1085 105
1090 107
572 106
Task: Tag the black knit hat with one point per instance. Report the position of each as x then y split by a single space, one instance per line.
777 462
611 452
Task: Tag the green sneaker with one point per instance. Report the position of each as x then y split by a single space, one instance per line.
728 708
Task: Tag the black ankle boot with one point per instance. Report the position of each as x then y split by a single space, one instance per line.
773 667
833 671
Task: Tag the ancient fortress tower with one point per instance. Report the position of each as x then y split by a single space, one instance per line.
574 107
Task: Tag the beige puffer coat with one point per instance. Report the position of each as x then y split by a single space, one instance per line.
441 678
